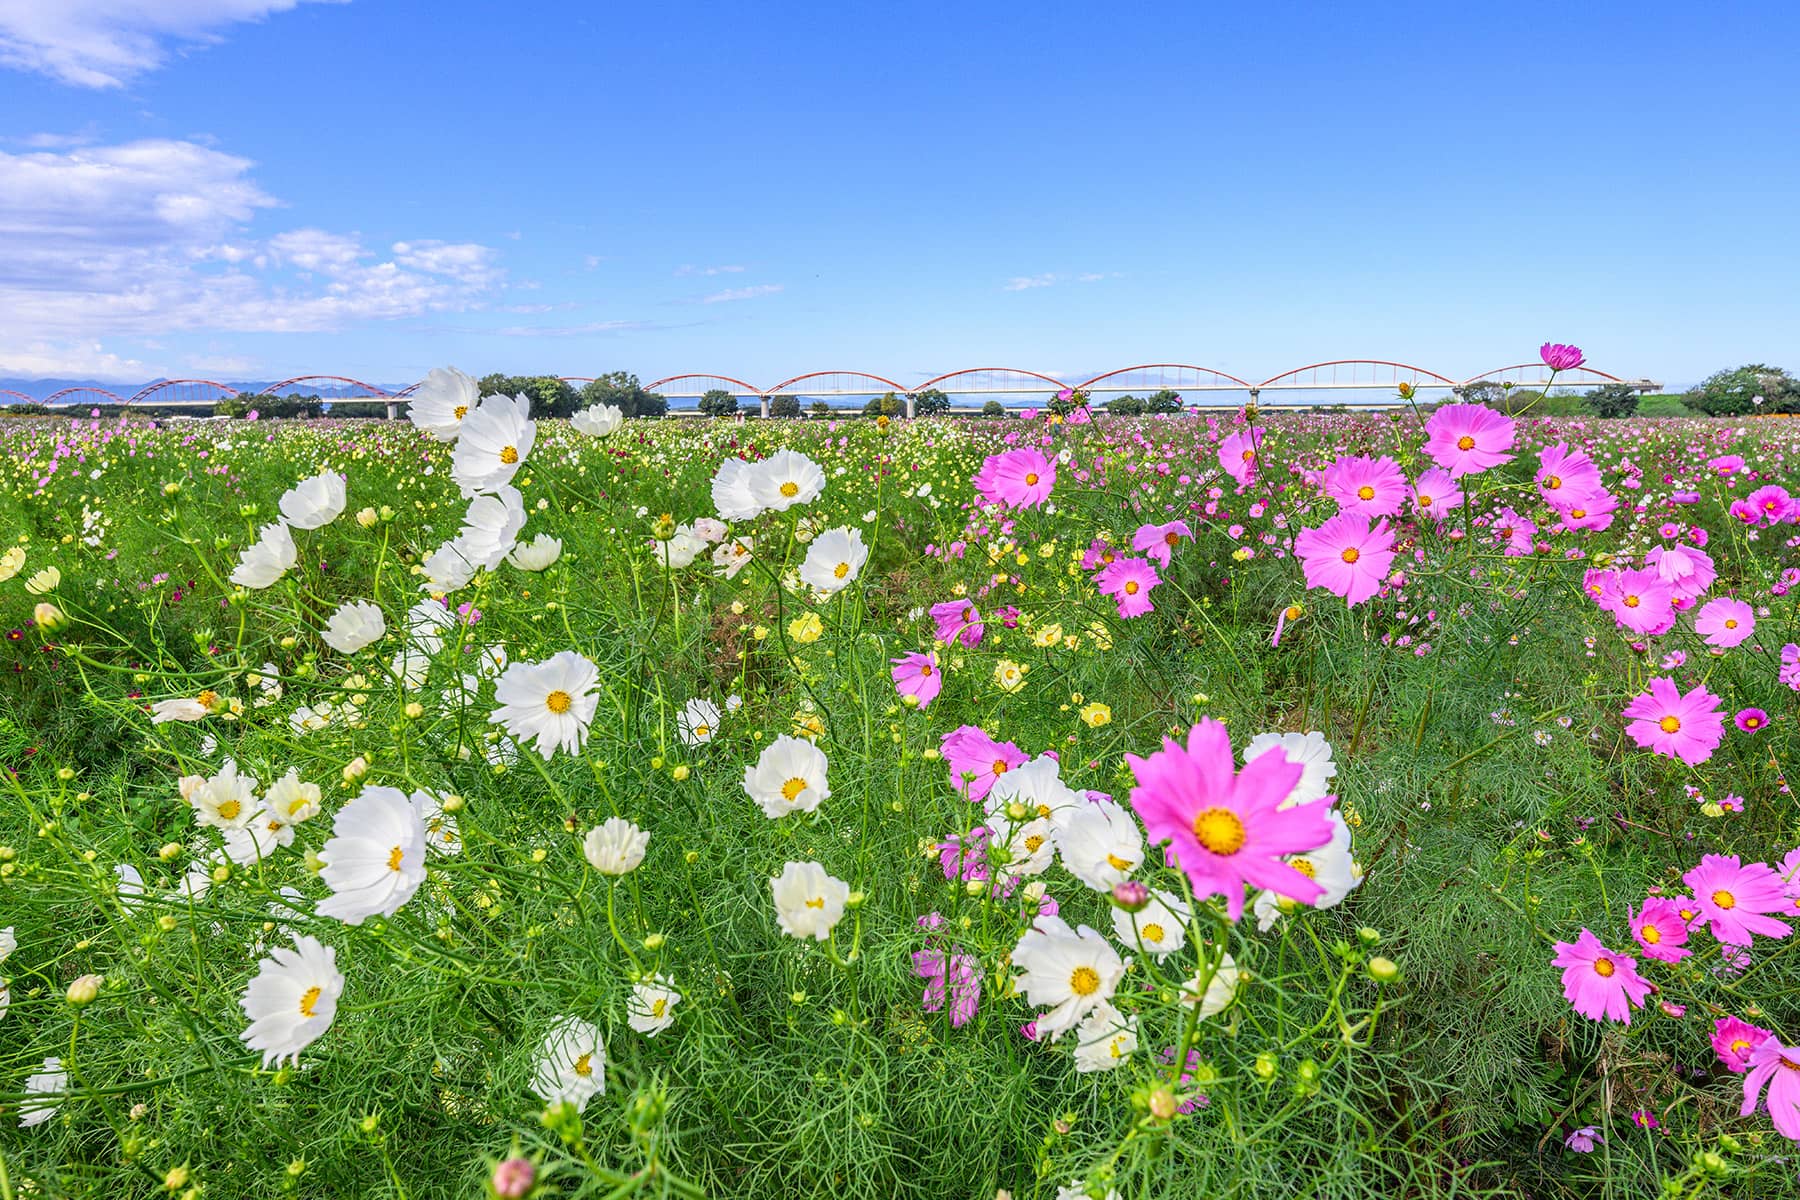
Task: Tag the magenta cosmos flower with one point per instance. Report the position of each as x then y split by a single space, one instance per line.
1724 622
1660 929
1228 829
1599 984
1735 899
970 751
1237 454
1466 439
1016 478
1435 494
1159 541
1775 1066
917 675
1734 1040
1128 581
1643 601
1370 487
1346 556
1749 720
1773 502
1566 477
1559 357
1688 727
957 621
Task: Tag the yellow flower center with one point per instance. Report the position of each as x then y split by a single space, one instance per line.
1578 513
925 669
1632 601
1465 442
1351 554
999 766
1131 587
790 489
1731 622
1553 482
1031 479
1365 492
207 698
584 1066
394 857
1033 842
1118 864
792 788
1249 455
1724 899
1305 867
230 809
1603 967
509 455
1424 501
1740 1047
1084 981
658 1007
1172 538
1152 933
558 702
702 731
1651 934
1219 830
1293 612
462 410
841 570
817 902
1670 724
309 999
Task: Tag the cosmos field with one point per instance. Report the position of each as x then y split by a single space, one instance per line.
1231 804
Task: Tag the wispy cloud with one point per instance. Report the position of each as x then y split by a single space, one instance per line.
589 329
1021 283
743 293
689 269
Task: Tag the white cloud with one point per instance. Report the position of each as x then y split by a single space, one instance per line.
70 360
1020 283
149 238
106 43
690 269
743 293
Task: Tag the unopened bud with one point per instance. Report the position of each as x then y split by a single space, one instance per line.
513 1178
1130 895
84 990
1383 969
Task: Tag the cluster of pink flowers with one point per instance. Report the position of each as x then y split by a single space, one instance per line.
1019 478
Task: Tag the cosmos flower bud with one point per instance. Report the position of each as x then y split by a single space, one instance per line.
1130 895
1383 970
513 1178
355 769
85 989
1162 1103
48 617
366 518
663 528
1265 1066
1406 391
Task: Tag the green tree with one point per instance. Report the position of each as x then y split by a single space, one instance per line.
718 402
1125 406
993 408
550 396
1488 393
888 405
1612 400
820 409
784 406
930 403
1755 387
622 390
265 405
1165 401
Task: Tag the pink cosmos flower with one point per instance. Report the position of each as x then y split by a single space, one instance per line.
1789 671
1370 487
1773 502
1734 1041
1466 439
1593 511
1688 727
1559 357
1777 1067
1688 570
1016 478
1228 829
1238 454
1724 621
1726 464
1128 581
1435 493
1735 899
949 975
1659 929
957 621
1745 512
1518 533
1159 541
1099 554
1749 720
917 674
965 858
1566 477
1644 602
1599 984
969 750
1346 556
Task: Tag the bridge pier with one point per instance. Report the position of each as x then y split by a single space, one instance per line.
911 405
392 410
764 406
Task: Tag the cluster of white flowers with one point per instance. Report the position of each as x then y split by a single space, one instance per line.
310 504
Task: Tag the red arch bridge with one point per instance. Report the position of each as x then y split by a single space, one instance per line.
1354 383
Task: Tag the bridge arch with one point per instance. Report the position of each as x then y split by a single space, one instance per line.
737 387
187 391
839 379
1174 377
73 395
992 379
339 387
1356 373
1541 375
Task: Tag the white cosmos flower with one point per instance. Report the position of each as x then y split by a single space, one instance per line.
1105 1039
426 623
449 568
732 495
1030 847
1038 788
552 701
834 559
227 800
8 943
732 555
1161 925
1071 972
615 846
679 551
314 503
258 840
1330 866
130 886
491 526
180 709
292 799
441 832
51 1081
539 554
651 1008
789 776
441 401
1100 844
698 722
411 666
808 902
1311 751
1077 1190
598 420
375 859
308 719
291 1000
571 1063
354 625
495 442
268 559
491 660
709 530
784 479
1221 990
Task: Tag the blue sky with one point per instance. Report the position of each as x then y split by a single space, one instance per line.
248 189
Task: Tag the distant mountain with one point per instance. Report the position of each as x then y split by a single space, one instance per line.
37 389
